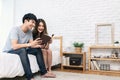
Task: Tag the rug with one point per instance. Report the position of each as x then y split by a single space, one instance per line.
71 76
78 76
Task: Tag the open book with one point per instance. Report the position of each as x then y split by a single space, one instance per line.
45 39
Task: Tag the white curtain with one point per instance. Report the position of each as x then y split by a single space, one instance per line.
6 19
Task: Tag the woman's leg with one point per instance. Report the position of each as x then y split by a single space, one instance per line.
45 56
49 60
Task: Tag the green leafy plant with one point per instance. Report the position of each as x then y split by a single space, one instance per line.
78 44
116 42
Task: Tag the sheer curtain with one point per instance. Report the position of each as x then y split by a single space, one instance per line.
6 20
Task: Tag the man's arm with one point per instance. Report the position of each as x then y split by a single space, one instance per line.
15 45
33 44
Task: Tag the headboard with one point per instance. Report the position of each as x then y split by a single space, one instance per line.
60 41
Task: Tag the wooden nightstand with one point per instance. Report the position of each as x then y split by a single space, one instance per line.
83 60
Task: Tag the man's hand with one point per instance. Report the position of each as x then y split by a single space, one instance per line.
35 42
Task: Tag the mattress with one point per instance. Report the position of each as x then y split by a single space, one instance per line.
10 64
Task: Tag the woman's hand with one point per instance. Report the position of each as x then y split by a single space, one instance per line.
39 46
42 46
47 46
50 41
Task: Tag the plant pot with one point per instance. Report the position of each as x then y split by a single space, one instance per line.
116 44
78 49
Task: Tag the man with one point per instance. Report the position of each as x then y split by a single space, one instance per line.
20 41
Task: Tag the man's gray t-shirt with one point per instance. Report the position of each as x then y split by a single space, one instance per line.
17 34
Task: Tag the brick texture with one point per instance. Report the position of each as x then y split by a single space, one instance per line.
73 19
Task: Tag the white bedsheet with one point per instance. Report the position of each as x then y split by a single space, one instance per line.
10 64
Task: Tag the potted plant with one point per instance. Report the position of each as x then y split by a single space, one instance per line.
78 46
116 43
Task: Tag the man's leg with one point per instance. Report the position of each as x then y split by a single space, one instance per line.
25 61
38 53
39 56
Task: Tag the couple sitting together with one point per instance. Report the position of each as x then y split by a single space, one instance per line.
23 40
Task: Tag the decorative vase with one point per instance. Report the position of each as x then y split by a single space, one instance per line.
78 49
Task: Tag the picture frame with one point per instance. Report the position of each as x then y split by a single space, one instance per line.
104 34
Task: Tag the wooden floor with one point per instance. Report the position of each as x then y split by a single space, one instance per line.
89 72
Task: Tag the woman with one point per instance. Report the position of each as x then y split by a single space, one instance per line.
39 30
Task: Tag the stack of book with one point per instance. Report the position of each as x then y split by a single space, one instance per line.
66 61
94 65
105 67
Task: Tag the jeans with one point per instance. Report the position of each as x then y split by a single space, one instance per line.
23 54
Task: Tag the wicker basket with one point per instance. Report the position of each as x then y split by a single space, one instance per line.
78 49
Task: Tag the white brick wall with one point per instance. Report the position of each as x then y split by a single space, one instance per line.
73 19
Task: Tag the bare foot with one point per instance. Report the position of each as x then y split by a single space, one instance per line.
50 72
32 79
48 75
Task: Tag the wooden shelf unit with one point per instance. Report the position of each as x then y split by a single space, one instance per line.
73 66
83 65
104 47
112 71
102 59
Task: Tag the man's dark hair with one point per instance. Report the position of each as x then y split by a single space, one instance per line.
28 17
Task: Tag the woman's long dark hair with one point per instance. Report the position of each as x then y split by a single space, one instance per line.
35 30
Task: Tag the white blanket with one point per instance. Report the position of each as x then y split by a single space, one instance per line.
10 64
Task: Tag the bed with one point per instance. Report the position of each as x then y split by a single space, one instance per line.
10 64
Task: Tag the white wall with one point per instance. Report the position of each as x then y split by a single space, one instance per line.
0 7
73 19
6 19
